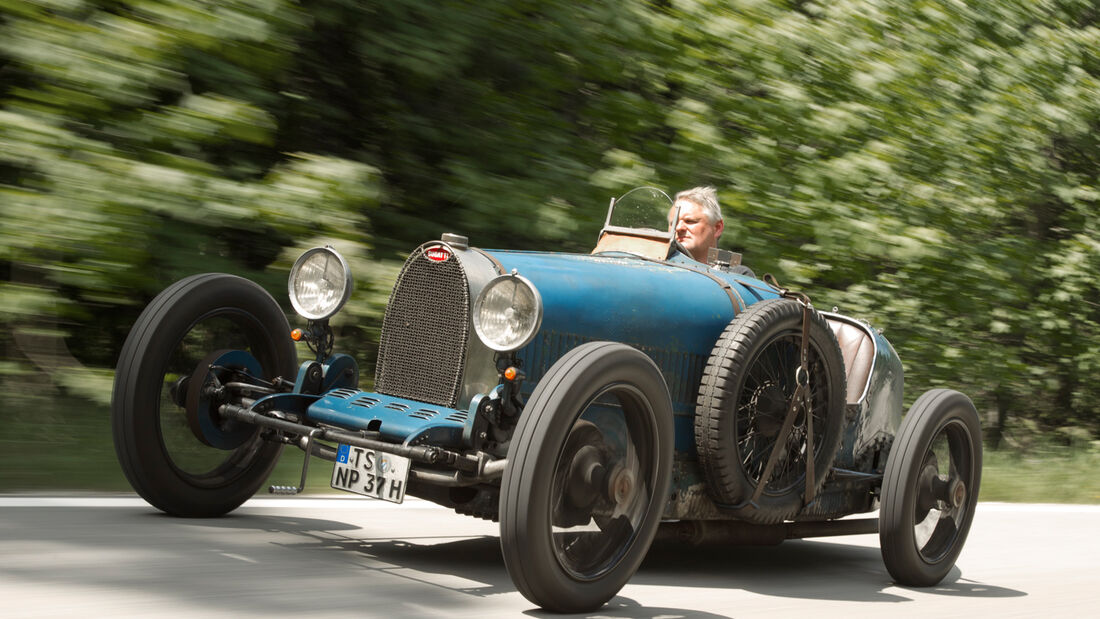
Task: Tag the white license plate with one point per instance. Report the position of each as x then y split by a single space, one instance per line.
371 473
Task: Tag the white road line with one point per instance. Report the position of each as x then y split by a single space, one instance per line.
237 557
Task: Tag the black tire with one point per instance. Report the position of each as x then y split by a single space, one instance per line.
602 409
157 448
743 399
930 488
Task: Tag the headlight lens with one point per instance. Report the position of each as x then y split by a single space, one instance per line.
507 313
320 283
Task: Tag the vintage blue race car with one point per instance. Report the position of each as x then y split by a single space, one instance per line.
586 401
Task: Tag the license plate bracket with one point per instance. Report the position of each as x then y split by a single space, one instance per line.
371 473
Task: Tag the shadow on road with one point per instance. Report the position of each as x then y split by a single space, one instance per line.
279 563
804 569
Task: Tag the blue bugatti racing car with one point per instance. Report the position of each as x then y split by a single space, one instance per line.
589 402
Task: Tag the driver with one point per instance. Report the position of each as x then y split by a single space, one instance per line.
700 223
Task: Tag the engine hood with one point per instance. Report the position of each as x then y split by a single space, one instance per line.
673 310
676 305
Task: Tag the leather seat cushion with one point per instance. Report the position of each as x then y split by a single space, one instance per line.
859 354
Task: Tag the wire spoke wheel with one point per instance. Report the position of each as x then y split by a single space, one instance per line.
763 406
744 399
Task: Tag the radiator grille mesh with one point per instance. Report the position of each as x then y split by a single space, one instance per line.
423 346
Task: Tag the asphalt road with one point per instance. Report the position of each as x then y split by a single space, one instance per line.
336 557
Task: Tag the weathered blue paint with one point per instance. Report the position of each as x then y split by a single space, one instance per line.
300 379
624 298
397 419
340 371
671 311
494 398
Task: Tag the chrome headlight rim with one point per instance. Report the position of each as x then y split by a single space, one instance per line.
479 305
295 272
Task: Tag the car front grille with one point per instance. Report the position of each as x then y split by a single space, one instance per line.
422 351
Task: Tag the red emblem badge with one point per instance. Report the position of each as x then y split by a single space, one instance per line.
438 253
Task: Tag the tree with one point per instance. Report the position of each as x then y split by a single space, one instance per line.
929 165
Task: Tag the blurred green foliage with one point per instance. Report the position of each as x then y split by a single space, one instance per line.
931 165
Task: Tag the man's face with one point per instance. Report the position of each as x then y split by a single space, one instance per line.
693 230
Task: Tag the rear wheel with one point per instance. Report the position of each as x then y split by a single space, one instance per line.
587 477
930 488
175 450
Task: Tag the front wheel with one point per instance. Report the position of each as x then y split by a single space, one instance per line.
930 488
175 450
587 478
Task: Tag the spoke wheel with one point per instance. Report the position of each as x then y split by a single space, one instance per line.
930 488
174 448
587 477
744 399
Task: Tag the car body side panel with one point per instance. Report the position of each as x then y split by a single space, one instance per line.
672 313
880 411
876 415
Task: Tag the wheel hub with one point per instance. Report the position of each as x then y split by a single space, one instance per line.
621 487
582 474
594 481
771 408
202 401
586 476
958 493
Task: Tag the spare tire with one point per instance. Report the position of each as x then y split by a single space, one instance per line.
744 398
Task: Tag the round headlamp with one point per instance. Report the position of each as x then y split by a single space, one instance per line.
507 313
320 283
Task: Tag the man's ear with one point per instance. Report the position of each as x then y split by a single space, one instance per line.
718 228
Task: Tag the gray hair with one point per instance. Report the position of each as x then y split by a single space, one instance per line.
706 198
